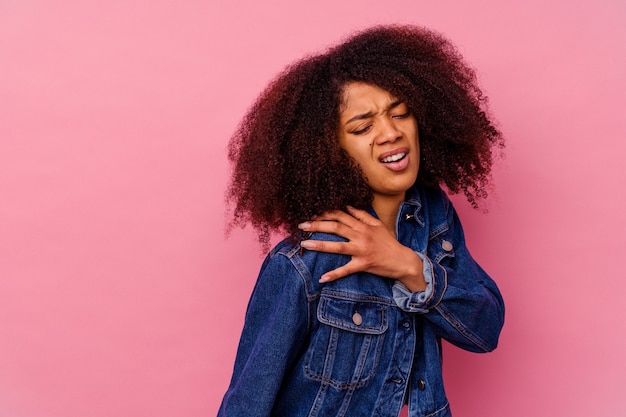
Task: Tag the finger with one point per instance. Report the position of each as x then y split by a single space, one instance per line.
363 216
335 274
340 217
342 248
332 227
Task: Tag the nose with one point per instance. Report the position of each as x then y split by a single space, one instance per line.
388 131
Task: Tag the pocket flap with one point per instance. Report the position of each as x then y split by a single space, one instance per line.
359 316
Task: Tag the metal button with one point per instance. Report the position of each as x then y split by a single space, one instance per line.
447 246
406 324
408 217
421 384
357 319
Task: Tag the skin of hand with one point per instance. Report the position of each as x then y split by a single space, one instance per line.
371 245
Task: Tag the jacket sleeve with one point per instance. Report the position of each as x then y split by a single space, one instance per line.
274 330
462 302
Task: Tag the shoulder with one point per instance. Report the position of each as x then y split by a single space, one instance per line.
281 275
291 258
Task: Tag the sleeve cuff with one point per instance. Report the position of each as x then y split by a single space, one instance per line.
415 302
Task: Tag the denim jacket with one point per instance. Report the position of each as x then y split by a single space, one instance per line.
363 345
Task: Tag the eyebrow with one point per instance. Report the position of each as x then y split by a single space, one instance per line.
370 114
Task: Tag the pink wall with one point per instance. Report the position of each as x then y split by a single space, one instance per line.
119 295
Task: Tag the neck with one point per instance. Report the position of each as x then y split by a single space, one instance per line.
386 208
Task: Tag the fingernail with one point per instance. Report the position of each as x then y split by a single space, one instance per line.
324 279
304 226
307 244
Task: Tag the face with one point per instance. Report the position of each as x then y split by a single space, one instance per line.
380 133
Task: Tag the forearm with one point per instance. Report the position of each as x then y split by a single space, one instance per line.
465 305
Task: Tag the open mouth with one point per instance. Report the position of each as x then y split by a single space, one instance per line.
394 158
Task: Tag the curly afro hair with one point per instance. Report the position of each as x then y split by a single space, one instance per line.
287 163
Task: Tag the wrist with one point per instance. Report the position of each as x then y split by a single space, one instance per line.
413 276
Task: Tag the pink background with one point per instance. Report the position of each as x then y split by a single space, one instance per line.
119 295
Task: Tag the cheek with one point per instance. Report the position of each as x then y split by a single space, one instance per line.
363 153
357 149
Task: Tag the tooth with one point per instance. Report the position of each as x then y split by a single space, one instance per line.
394 158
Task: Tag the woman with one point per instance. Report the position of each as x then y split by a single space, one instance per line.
346 152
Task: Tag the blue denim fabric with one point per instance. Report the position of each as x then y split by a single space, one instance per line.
363 345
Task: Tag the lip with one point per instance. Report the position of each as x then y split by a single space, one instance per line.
393 152
400 165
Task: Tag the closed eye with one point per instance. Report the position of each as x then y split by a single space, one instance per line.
402 116
399 110
362 131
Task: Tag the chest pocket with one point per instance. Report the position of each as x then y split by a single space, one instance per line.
346 348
